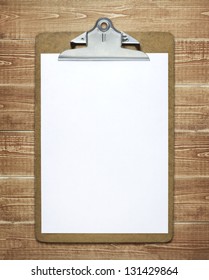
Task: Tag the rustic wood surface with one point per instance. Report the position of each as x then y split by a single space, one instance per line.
20 22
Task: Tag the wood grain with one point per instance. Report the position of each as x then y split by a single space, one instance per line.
192 109
17 153
16 97
20 22
191 154
192 61
191 241
183 18
17 61
16 107
191 189
17 200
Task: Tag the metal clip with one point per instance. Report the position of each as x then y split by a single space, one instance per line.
103 42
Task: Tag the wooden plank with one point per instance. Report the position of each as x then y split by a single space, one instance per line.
191 241
188 212
191 199
192 109
16 98
183 18
16 200
17 60
192 96
16 120
17 153
192 61
191 154
191 190
16 107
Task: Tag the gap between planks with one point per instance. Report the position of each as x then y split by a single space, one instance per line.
176 131
33 223
31 85
17 177
191 85
17 223
175 177
17 131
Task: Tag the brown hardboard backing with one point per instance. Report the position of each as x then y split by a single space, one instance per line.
151 42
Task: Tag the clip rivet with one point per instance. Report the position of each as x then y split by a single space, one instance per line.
103 25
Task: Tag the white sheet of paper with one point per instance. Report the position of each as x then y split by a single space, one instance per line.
104 145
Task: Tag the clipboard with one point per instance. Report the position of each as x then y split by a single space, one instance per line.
99 45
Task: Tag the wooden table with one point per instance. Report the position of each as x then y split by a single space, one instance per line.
20 22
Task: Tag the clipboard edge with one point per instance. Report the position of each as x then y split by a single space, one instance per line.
93 238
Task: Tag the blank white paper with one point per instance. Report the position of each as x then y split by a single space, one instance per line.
104 145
